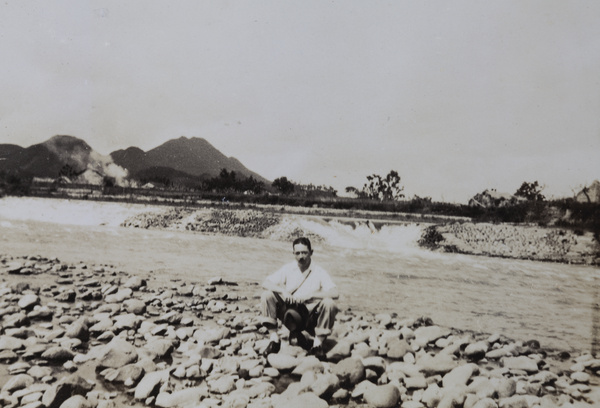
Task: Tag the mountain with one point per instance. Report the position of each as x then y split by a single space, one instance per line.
183 161
194 156
48 158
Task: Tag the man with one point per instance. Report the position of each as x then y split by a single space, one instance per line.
300 294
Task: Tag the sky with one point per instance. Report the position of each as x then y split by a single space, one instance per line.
456 96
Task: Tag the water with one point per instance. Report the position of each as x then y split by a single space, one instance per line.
377 270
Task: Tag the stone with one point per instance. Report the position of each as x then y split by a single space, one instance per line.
172 317
413 404
134 306
18 368
308 363
28 301
129 374
429 334
186 397
521 363
505 387
382 396
340 351
76 401
135 283
406 369
210 336
116 354
516 401
159 348
64 389
432 395
482 387
438 364
416 382
16 320
78 330
350 371
356 337
261 390
307 399
32 397
452 397
397 348
459 376
361 387
208 352
222 385
8 356
102 326
544 377
150 383
485 403
282 362
325 385
18 382
363 350
68 296
127 321
58 354
14 268
10 343
494 354
580 377
375 363
476 351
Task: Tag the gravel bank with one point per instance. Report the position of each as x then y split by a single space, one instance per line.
77 335
514 241
500 240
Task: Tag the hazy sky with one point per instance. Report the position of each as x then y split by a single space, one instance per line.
457 96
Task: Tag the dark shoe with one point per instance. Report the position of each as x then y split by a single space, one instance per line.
272 348
300 340
318 352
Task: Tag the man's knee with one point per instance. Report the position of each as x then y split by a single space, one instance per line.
328 304
327 307
267 297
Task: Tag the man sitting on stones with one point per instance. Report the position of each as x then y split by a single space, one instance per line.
300 294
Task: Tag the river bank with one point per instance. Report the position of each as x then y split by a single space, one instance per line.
90 335
497 240
280 223
514 241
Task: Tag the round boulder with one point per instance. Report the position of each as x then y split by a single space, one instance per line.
382 396
350 371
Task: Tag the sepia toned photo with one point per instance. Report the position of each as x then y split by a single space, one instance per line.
278 204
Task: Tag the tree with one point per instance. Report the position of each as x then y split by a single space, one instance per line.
531 191
384 189
283 184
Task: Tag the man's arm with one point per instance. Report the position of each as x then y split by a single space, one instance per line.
332 293
279 289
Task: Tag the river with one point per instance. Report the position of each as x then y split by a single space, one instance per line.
377 270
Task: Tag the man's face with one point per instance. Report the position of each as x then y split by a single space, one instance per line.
302 254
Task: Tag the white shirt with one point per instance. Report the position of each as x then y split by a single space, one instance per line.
291 278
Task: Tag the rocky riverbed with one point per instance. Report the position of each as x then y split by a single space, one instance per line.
78 335
501 240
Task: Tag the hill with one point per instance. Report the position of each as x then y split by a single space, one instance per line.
185 162
194 156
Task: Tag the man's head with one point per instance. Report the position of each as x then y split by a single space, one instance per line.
302 251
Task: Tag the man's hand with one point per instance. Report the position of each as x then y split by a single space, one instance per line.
301 299
287 297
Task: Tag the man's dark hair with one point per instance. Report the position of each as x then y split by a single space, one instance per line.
303 241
